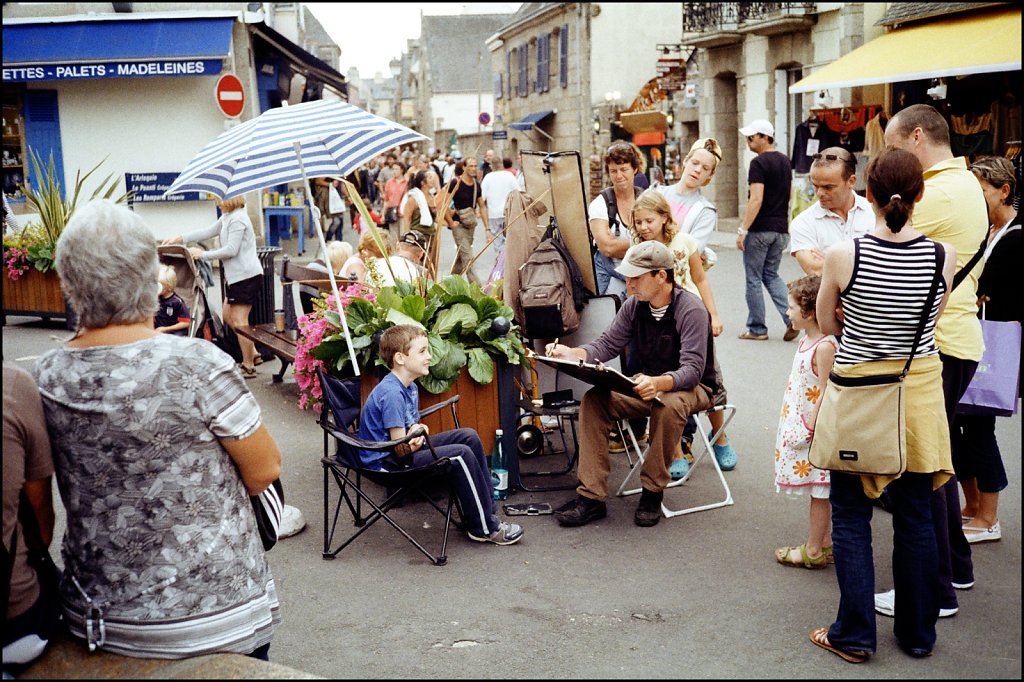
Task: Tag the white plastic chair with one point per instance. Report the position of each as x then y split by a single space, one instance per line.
632 446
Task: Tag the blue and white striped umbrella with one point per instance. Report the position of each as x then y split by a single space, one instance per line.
334 139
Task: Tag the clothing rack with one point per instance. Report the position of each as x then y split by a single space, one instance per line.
846 119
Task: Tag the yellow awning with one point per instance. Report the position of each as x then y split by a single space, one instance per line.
958 46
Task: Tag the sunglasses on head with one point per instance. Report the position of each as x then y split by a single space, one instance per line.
829 157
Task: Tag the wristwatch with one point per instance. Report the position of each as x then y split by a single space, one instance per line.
741 232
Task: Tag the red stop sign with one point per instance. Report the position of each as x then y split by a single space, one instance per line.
230 96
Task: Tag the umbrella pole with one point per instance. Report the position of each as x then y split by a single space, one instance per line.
314 215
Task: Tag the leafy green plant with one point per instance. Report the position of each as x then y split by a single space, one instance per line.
465 328
55 210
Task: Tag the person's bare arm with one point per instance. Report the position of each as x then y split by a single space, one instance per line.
824 358
753 208
40 497
700 280
406 449
835 275
606 243
258 459
810 261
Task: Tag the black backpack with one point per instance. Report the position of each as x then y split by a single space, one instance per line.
551 290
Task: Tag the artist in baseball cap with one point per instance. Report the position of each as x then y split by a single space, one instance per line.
645 257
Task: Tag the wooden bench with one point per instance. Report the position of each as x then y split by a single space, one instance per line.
281 344
311 283
68 659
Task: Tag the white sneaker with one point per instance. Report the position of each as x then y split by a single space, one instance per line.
991 534
292 521
885 604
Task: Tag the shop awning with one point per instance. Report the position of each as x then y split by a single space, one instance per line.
527 122
301 61
115 49
638 122
958 46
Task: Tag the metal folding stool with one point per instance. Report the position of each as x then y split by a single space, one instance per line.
626 432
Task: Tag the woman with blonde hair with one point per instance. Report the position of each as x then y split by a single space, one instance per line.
241 267
368 247
691 210
652 220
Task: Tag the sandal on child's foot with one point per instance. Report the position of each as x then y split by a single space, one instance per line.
828 554
784 555
247 372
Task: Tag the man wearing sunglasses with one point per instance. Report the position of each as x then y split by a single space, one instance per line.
838 215
767 222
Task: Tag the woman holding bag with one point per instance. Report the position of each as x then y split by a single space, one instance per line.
883 282
976 458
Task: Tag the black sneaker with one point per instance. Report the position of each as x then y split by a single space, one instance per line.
581 511
648 511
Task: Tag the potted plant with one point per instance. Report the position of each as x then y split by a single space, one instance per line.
466 328
30 284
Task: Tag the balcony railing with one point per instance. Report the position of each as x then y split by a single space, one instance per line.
702 17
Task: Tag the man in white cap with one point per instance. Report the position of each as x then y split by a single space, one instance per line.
675 354
764 234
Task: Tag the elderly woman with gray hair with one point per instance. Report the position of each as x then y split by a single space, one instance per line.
242 270
157 445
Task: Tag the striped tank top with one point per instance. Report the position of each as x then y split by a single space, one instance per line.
883 303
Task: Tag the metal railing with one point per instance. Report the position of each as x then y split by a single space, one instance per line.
702 17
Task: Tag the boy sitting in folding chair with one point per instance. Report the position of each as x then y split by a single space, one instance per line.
392 411
677 378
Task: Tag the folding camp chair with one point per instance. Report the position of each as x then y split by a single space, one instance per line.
633 448
339 422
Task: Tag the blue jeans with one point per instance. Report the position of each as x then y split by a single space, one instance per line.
915 566
762 255
470 474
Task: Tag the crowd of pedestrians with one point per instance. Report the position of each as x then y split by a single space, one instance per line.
156 442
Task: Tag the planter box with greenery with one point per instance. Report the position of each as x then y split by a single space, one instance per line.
472 343
31 286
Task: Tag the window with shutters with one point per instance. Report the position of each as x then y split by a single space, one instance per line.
510 57
524 73
563 56
543 62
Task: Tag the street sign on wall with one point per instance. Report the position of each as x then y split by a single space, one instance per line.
230 96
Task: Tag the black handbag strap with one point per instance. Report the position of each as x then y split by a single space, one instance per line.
940 259
962 273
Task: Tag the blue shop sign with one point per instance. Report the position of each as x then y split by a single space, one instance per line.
58 72
150 187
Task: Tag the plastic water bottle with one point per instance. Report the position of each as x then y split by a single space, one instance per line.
499 468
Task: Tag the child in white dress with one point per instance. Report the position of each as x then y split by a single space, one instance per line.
793 472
